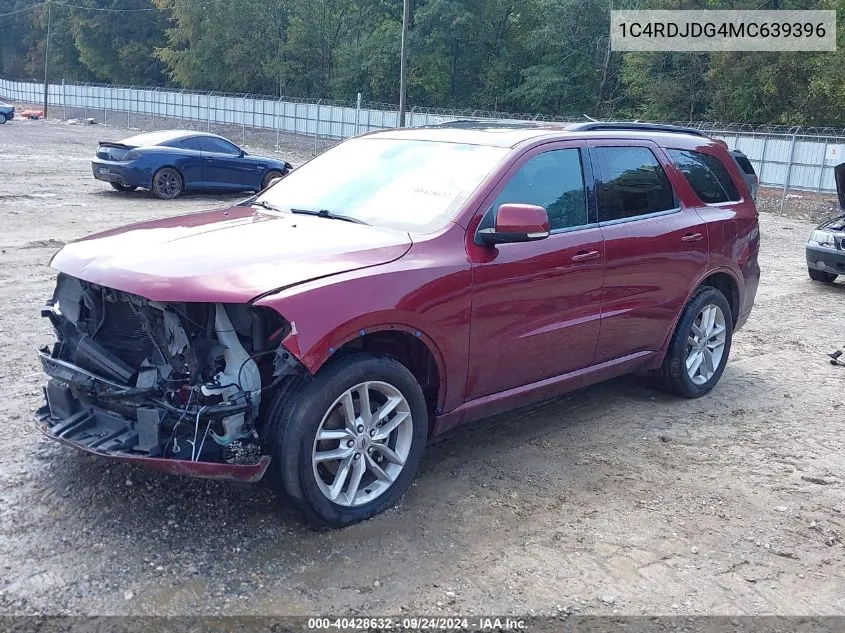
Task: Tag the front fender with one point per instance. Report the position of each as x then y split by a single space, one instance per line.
413 295
323 350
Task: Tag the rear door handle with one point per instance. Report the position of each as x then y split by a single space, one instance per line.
585 255
692 237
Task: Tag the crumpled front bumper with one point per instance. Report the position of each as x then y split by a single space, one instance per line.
108 434
203 470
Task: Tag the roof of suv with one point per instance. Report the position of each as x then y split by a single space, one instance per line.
512 133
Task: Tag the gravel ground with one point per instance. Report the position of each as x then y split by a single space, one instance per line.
613 500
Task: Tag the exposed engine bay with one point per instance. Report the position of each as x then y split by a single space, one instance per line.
178 381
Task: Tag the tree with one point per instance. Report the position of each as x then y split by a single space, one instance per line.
117 46
666 86
225 46
571 62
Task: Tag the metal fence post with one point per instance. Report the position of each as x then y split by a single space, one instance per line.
208 111
155 108
763 158
788 168
276 120
64 101
357 113
243 119
821 167
317 126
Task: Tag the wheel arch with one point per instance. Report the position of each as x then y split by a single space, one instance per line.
405 344
728 285
268 169
724 280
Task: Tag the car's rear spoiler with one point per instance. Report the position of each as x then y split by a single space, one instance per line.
839 175
115 145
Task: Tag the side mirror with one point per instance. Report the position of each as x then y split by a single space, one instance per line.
242 154
516 223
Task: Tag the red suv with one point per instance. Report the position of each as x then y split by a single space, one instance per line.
399 284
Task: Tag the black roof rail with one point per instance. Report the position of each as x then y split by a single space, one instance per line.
591 126
504 123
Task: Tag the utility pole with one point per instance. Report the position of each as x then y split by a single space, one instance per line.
403 63
46 57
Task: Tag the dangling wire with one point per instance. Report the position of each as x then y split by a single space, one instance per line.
196 432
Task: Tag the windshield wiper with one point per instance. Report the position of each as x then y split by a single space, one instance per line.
322 213
266 205
325 213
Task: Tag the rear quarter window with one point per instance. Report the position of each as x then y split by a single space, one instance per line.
746 165
706 174
189 142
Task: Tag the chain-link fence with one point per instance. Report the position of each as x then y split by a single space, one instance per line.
796 158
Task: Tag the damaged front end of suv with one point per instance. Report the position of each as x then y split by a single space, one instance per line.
176 386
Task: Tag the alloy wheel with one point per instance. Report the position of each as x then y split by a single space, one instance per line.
362 443
167 183
706 344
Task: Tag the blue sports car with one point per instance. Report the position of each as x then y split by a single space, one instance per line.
172 161
7 112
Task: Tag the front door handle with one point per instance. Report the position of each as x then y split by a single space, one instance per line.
583 256
692 237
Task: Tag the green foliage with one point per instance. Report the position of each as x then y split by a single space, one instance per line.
666 86
116 46
544 56
224 46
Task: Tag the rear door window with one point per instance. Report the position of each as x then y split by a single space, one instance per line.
631 183
706 175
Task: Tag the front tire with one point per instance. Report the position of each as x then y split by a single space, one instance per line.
167 183
699 349
122 188
820 275
348 443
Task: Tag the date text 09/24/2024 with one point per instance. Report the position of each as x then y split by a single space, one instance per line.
434 623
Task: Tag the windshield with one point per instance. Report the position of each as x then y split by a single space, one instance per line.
411 185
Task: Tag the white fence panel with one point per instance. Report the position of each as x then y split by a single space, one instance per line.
798 160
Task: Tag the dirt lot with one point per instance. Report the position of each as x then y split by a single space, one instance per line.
616 499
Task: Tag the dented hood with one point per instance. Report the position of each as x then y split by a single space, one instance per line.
231 255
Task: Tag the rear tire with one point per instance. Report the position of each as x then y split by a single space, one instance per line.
122 188
820 275
335 484
167 183
700 345
269 177
2 118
